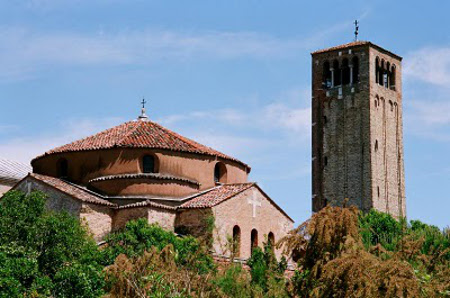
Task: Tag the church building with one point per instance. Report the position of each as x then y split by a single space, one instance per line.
140 169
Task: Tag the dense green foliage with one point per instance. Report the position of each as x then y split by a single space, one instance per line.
45 253
340 253
380 228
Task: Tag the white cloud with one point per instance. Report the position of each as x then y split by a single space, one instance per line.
276 116
25 51
430 65
429 119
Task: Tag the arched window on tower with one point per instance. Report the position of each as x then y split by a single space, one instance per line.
382 73
355 74
253 240
392 78
345 72
62 168
337 73
377 70
236 241
271 240
326 80
148 164
387 75
220 173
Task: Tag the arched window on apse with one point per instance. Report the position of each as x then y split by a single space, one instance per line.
254 240
148 164
271 240
62 168
236 241
220 173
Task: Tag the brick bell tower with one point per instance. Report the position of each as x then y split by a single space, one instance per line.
357 128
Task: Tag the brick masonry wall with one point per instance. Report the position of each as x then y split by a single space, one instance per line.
97 218
239 211
386 117
345 128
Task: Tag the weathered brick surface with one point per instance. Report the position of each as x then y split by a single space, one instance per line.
239 211
98 218
346 125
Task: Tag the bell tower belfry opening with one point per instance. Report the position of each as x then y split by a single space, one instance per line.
357 128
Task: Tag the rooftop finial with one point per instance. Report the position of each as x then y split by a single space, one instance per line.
356 29
143 116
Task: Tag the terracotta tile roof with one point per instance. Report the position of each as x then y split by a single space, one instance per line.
215 196
140 134
71 190
342 46
157 176
355 44
147 204
12 172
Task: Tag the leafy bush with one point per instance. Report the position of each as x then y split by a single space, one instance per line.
45 253
138 236
378 227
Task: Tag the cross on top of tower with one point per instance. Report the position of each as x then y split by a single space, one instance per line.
143 116
356 29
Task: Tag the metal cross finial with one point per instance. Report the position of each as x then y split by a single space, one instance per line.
356 29
143 116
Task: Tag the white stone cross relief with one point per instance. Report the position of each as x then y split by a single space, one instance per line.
255 202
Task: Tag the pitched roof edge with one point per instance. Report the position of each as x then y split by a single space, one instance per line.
273 202
250 184
356 44
106 203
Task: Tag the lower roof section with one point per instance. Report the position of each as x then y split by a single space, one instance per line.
204 199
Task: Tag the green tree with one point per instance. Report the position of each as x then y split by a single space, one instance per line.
45 253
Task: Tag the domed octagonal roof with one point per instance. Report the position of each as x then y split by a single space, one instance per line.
139 134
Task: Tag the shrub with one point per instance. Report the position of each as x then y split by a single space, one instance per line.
138 236
378 227
45 253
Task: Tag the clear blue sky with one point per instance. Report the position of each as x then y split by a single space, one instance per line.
234 75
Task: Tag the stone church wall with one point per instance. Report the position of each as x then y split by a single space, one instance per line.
165 218
98 218
239 211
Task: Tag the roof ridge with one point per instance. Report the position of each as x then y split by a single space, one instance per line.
139 134
42 178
